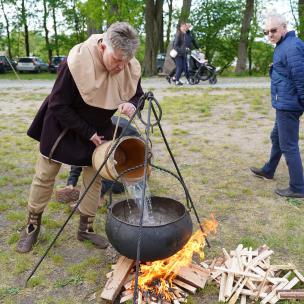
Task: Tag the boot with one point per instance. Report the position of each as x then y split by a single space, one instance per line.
30 233
86 232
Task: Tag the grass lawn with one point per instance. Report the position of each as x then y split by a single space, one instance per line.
27 76
215 135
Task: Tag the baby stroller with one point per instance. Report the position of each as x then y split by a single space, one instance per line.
200 69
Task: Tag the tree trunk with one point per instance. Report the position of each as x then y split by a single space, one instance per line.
153 16
76 22
55 30
26 33
161 34
185 12
7 31
243 44
168 34
301 18
47 42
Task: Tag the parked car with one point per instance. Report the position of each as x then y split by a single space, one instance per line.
55 63
6 64
160 60
31 64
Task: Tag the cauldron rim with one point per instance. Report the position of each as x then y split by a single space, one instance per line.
151 226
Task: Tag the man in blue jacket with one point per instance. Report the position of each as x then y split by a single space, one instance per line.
287 95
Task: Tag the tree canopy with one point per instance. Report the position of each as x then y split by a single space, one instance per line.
228 31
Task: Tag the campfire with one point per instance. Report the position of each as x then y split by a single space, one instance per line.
164 281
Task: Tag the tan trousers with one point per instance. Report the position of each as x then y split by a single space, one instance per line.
43 184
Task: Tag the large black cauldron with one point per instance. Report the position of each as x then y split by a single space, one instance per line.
169 232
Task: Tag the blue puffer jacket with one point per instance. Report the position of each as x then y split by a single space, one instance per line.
287 74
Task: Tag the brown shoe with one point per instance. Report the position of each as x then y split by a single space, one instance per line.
67 194
30 233
86 232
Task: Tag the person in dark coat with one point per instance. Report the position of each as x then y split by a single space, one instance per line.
190 40
190 43
99 77
181 58
287 95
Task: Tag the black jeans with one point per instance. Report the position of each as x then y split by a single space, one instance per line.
105 184
181 66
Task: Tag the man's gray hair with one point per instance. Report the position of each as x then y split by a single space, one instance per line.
276 17
122 36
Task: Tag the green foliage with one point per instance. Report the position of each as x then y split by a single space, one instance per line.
217 27
116 10
261 57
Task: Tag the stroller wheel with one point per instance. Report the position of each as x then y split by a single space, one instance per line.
213 80
193 80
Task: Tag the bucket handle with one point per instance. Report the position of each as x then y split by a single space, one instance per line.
116 127
115 132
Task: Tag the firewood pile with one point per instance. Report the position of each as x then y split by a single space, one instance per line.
121 281
247 275
243 275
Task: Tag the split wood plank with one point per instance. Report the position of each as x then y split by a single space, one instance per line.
222 287
295 294
128 282
289 285
193 275
116 281
184 285
250 293
109 274
245 252
230 277
126 298
299 275
264 253
288 266
235 296
240 273
273 292
243 299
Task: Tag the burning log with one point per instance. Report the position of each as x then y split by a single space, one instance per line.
165 281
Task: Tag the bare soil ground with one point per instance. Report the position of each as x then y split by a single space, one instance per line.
215 133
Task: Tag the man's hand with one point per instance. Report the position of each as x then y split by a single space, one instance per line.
97 140
127 108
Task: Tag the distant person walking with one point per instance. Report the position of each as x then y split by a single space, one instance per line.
287 95
190 43
181 59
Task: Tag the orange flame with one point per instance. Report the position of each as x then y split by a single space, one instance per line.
164 271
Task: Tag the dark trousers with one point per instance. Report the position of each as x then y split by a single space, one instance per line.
181 66
74 175
173 71
285 140
106 184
